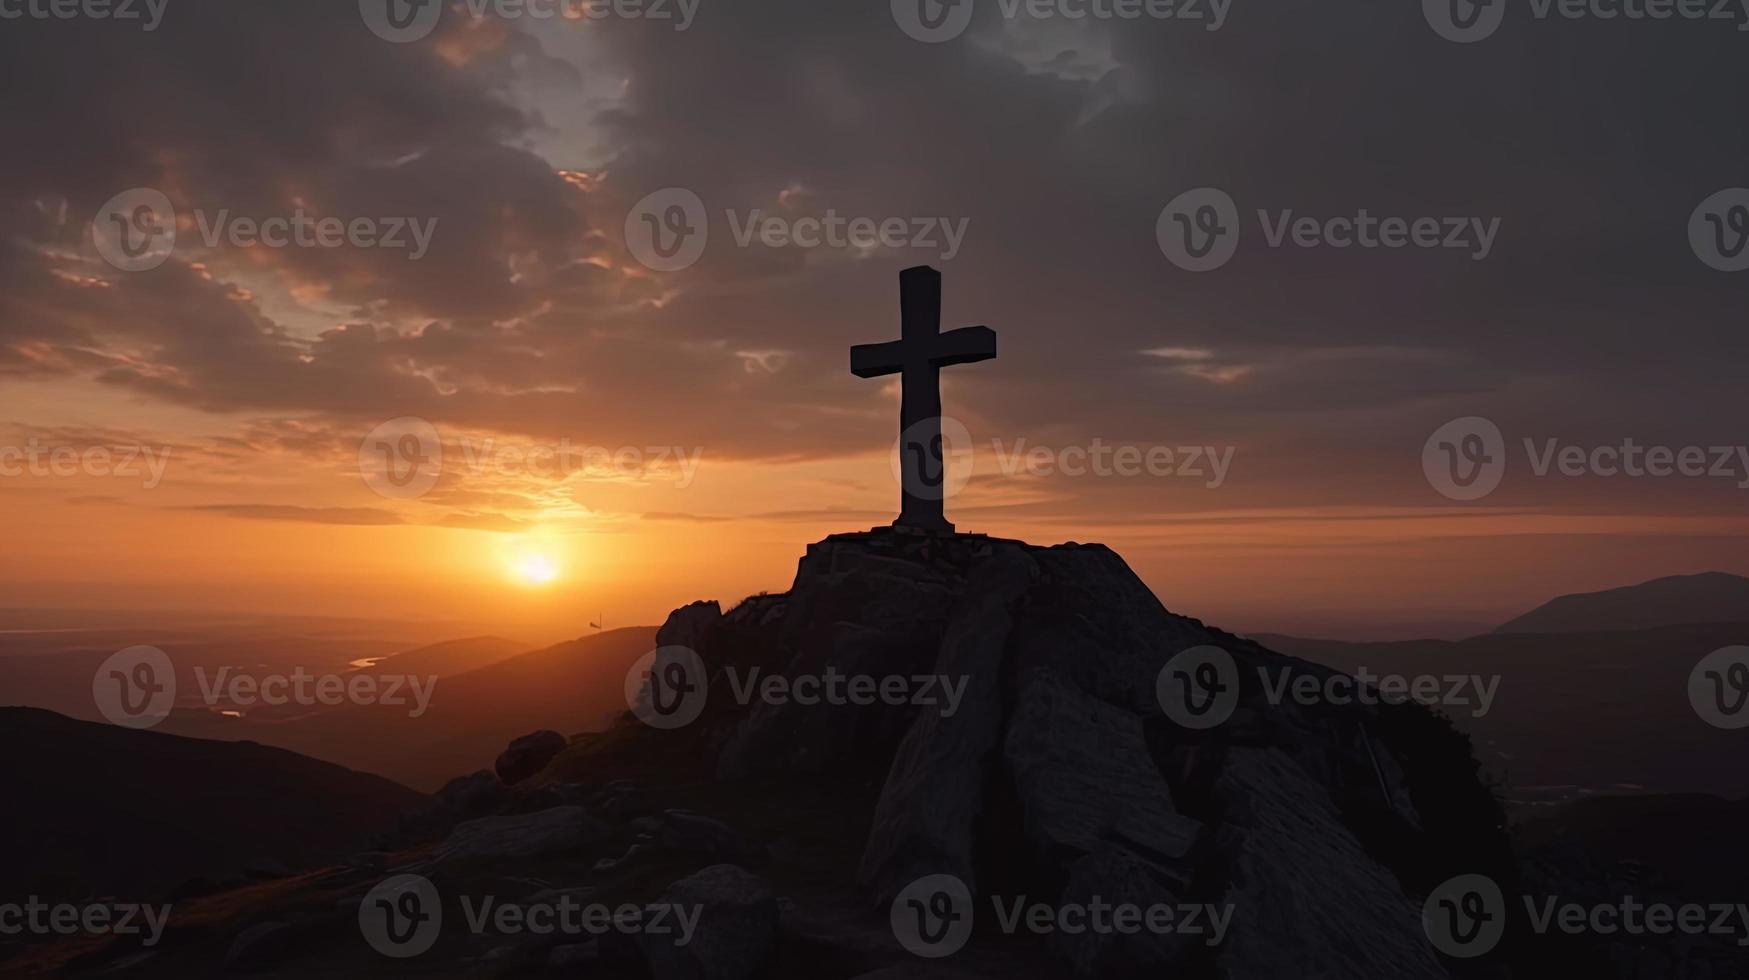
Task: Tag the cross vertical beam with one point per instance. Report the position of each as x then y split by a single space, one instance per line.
918 357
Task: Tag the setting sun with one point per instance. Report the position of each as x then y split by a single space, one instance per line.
535 569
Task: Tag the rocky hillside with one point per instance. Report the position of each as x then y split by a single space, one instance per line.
1060 776
941 757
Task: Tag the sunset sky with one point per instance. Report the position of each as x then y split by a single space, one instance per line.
530 323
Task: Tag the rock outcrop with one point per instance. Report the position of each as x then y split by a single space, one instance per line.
528 755
1045 765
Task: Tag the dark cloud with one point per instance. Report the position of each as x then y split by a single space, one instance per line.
1590 142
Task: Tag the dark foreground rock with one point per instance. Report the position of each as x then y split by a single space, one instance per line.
941 757
1040 762
735 933
528 755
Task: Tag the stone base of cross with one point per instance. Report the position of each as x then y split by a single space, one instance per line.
918 356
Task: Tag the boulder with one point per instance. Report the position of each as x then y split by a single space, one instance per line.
1083 774
1114 875
690 626
528 755
262 946
565 828
462 798
683 830
930 803
1060 777
1288 854
736 929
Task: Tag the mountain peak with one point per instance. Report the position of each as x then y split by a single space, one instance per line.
1674 600
1044 758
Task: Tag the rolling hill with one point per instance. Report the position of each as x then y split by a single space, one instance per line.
1576 714
94 809
568 687
1710 597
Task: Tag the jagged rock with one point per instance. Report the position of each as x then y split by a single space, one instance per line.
370 861
1115 875
529 799
529 755
737 927
575 958
1083 774
611 865
260 946
1300 878
565 828
690 626
1061 777
925 819
620 800
683 830
855 611
462 798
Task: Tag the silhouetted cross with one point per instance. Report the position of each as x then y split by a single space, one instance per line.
918 356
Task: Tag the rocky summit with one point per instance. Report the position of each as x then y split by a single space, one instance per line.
936 755
1002 704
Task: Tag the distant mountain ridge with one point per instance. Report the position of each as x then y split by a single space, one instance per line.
1709 597
1604 711
569 687
450 656
96 808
